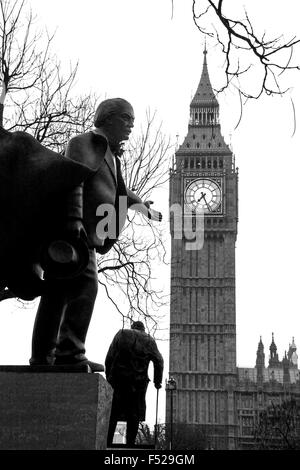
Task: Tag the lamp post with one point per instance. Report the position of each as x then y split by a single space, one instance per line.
170 387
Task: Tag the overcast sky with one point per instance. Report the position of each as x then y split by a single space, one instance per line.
134 49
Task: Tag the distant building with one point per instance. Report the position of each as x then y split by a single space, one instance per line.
120 433
260 387
211 392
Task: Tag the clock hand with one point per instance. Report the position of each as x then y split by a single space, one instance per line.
206 202
202 196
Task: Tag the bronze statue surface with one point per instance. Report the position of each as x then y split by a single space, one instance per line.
126 368
33 182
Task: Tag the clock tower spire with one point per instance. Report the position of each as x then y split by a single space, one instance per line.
204 106
204 128
203 184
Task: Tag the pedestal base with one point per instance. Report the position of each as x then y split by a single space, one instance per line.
53 411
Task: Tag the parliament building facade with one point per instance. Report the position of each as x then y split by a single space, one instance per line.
212 393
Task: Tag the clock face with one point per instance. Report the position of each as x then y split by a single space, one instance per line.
203 195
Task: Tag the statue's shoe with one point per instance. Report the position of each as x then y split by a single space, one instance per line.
93 366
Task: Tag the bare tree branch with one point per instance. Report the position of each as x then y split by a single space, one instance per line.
38 98
240 43
278 426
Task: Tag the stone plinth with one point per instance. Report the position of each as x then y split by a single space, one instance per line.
50 411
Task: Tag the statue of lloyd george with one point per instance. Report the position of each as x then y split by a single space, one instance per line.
81 198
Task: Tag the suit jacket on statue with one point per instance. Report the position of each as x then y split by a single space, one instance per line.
126 368
34 182
129 356
104 187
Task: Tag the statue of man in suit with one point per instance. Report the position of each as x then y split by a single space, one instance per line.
126 368
65 309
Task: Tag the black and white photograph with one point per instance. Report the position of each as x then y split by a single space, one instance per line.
149 233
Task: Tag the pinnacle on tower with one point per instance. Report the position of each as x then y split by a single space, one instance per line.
204 131
292 355
273 361
204 95
204 106
260 345
293 346
260 355
273 346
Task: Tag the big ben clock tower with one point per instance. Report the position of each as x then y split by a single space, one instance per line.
203 183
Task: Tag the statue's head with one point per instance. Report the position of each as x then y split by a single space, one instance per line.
116 117
138 325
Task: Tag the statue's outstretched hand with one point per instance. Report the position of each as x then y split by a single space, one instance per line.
153 214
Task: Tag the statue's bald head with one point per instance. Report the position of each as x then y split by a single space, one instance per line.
109 107
138 325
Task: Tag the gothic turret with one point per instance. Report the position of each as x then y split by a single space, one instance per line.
260 355
273 361
260 361
292 355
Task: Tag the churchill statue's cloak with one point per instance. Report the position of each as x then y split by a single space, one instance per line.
34 183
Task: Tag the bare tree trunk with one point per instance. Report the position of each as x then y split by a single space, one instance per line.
2 98
1 114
